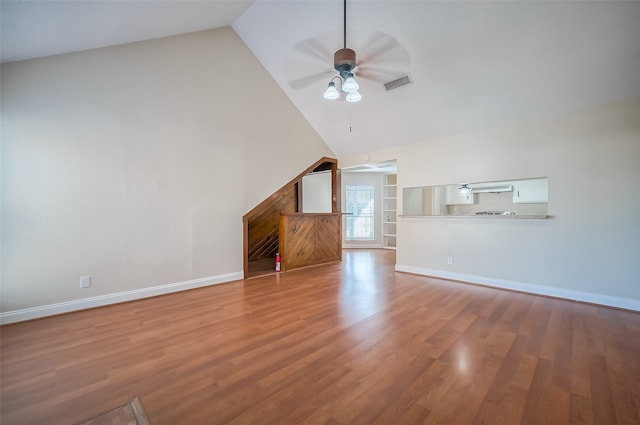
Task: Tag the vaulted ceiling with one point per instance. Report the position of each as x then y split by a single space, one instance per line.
473 64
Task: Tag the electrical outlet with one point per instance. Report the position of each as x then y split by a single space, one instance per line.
85 281
449 260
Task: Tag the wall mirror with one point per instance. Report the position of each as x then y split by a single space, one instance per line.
525 198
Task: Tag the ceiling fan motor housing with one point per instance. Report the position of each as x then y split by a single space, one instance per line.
344 60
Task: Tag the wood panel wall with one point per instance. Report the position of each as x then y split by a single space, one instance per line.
263 227
310 239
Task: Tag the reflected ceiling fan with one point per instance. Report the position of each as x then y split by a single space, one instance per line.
379 48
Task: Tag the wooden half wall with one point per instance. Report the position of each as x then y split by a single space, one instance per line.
309 239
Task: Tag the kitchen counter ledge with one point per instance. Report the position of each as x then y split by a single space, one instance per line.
477 217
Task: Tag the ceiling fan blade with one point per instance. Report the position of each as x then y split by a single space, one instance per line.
383 48
303 82
381 75
312 48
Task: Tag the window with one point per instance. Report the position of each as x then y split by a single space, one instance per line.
359 206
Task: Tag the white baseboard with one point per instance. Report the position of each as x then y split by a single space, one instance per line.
365 246
118 297
569 294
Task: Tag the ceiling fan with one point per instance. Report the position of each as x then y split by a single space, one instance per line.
344 61
380 47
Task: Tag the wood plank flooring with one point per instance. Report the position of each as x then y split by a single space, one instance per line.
345 343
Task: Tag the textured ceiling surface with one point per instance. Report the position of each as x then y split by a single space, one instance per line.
473 64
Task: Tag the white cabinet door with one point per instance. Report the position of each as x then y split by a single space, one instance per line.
534 191
453 196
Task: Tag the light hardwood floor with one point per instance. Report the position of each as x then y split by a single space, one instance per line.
342 344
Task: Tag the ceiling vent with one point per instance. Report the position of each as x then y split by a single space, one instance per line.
397 83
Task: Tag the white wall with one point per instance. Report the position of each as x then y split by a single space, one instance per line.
135 164
588 250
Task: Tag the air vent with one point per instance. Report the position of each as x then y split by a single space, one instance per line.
397 83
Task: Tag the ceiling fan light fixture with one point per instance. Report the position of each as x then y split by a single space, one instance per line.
464 190
353 96
350 84
344 61
331 93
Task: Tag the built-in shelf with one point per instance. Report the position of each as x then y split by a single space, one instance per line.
389 210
